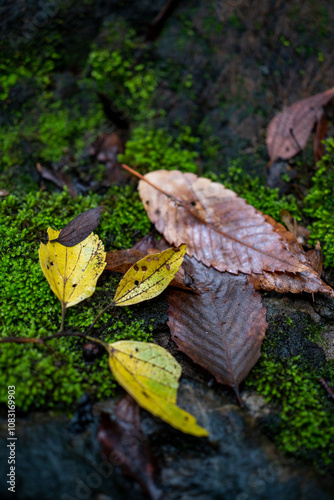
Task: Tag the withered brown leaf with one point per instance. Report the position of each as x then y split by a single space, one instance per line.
289 131
79 228
222 328
219 228
123 443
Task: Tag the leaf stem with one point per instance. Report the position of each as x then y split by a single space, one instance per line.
112 304
63 312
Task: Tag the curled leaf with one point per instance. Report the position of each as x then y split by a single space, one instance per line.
79 228
149 277
151 375
72 272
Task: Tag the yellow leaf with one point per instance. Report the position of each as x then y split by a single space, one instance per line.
149 276
151 375
72 272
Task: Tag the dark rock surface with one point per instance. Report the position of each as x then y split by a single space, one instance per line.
236 463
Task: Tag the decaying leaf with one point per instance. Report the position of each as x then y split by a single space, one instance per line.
151 376
120 261
4 192
123 443
149 277
58 178
289 131
316 258
79 228
72 272
219 228
222 328
300 232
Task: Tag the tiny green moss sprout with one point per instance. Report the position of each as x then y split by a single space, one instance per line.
153 149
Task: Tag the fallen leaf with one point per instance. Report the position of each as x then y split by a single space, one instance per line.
79 228
123 443
222 328
149 277
58 178
316 258
120 261
289 283
4 192
72 272
219 228
289 131
300 232
151 375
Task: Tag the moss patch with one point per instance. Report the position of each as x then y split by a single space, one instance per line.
288 376
43 379
319 204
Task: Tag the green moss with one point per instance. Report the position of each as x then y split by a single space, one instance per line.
43 379
47 115
303 420
319 204
152 149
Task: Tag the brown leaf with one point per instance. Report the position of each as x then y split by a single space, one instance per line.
124 444
120 261
288 282
316 258
222 328
4 192
301 233
289 131
319 136
79 228
219 228
59 179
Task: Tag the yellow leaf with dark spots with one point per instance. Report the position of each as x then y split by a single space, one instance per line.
150 374
72 272
149 276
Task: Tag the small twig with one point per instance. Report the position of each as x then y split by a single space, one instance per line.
325 385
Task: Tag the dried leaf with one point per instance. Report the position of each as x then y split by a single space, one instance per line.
316 258
4 192
79 228
151 376
222 329
58 178
219 228
124 444
72 272
301 233
149 277
289 283
289 131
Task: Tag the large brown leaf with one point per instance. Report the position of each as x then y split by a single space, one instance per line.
222 328
219 228
289 131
